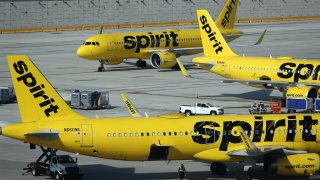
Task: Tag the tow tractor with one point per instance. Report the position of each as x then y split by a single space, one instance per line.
58 166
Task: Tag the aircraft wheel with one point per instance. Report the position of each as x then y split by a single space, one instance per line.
218 168
138 63
143 64
100 69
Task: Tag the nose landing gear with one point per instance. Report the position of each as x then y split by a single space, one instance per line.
102 63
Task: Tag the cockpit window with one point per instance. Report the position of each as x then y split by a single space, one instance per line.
91 43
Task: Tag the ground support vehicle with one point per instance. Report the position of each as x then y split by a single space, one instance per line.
201 109
58 166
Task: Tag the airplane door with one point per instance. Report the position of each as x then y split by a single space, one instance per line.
87 135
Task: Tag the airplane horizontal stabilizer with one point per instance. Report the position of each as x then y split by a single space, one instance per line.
46 134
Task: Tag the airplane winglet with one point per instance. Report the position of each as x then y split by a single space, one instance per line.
132 110
261 37
246 140
182 68
101 29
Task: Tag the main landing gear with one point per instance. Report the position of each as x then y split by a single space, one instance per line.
102 63
218 168
141 63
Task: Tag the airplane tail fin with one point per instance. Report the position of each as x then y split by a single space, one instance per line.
227 16
37 99
212 40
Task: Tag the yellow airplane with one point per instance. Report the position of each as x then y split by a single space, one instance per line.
161 47
296 78
285 144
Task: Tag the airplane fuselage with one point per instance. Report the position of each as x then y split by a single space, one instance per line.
120 46
271 69
157 138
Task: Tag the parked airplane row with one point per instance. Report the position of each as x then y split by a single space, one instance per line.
285 144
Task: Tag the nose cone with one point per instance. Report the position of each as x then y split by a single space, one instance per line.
83 52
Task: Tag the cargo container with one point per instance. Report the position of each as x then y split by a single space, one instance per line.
294 104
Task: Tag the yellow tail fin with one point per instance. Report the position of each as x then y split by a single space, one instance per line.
227 16
37 99
212 41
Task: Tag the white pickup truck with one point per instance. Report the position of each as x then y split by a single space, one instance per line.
201 109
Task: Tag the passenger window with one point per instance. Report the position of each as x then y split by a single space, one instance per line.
93 43
97 43
186 133
159 134
137 134
169 133
147 133
175 133
120 134
87 43
125 134
109 135
142 134
164 133
181 133
114 135
131 134
153 133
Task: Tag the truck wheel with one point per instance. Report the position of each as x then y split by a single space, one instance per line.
188 113
213 113
56 176
35 172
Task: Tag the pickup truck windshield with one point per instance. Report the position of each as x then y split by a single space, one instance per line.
210 105
65 160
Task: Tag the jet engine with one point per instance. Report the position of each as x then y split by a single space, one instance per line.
302 92
294 165
163 60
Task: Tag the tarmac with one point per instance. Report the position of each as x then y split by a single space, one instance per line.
152 91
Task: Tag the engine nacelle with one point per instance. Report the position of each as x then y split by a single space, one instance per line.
295 165
163 60
302 92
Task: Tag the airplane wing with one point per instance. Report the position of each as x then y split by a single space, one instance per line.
46 134
249 150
